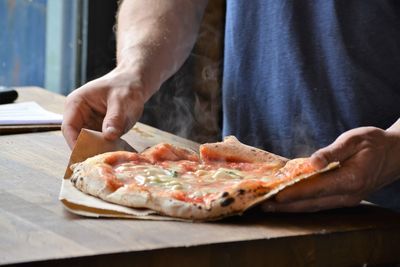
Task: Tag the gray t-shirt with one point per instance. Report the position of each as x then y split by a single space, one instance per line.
297 74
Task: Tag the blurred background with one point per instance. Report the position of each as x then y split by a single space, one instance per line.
61 44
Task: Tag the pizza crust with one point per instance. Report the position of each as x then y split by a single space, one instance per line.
236 201
87 176
231 149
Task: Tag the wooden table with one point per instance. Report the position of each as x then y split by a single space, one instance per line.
36 230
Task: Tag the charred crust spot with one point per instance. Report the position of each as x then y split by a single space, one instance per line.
81 178
225 194
199 207
241 191
227 201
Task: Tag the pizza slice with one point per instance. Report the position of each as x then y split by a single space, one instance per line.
226 178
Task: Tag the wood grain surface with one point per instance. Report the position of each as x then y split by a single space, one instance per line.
36 230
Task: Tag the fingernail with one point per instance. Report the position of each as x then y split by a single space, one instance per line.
111 130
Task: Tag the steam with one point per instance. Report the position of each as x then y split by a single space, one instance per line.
188 104
303 144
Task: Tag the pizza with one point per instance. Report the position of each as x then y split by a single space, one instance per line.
224 179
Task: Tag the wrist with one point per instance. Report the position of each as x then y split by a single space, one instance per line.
138 77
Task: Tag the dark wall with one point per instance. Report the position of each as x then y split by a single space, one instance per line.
101 38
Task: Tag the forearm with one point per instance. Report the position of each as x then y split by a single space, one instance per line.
154 37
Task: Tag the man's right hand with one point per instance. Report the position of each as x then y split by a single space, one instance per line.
152 44
112 104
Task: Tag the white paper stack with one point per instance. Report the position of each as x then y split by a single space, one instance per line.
27 113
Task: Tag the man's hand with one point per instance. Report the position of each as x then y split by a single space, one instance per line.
152 44
369 160
111 104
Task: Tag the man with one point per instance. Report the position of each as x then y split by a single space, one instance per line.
297 74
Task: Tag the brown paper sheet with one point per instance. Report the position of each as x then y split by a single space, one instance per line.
91 143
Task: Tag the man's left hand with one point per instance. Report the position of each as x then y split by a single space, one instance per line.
369 158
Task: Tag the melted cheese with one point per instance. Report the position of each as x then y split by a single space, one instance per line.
174 177
193 180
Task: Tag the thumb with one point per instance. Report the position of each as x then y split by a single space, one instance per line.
114 123
341 149
120 117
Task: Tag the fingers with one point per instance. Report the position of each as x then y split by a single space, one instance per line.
72 120
112 103
70 134
113 124
311 205
349 179
344 180
360 153
344 147
121 114
83 108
